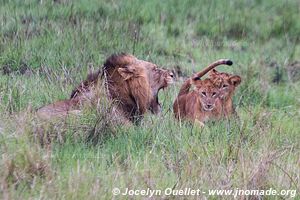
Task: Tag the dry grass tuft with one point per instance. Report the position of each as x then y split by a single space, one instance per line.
24 168
258 179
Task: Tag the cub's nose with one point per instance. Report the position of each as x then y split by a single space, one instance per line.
209 106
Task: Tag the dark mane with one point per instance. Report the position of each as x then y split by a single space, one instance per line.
113 61
85 85
120 60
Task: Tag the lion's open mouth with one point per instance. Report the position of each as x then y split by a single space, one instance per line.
170 81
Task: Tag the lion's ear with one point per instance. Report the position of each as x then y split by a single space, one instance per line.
125 73
235 80
213 72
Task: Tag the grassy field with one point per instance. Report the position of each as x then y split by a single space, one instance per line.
48 47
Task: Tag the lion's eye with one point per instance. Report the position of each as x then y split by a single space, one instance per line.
214 94
172 75
225 86
203 93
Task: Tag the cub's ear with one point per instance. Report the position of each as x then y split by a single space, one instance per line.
213 72
126 73
235 80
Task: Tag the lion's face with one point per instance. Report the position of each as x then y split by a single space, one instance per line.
229 82
167 77
158 78
208 94
162 78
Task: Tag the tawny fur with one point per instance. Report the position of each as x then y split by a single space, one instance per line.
227 89
188 83
193 105
127 85
202 103
59 109
132 85
157 78
85 86
140 93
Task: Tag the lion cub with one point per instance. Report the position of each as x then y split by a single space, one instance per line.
229 83
198 105
203 102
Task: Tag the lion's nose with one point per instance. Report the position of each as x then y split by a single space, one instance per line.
209 106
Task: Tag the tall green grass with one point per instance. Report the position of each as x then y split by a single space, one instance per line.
48 47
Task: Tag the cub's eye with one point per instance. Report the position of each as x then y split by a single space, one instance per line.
172 75
203 93
214 94
225 86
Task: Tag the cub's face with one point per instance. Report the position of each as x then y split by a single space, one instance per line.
228 82
208 93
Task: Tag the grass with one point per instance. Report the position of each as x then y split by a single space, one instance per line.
48 47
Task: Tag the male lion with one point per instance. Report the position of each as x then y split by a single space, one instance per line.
132 84
200 104
88 96
159 79
128 85
85 90
156 78
58 109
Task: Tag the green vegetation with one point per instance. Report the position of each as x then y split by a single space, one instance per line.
47 48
